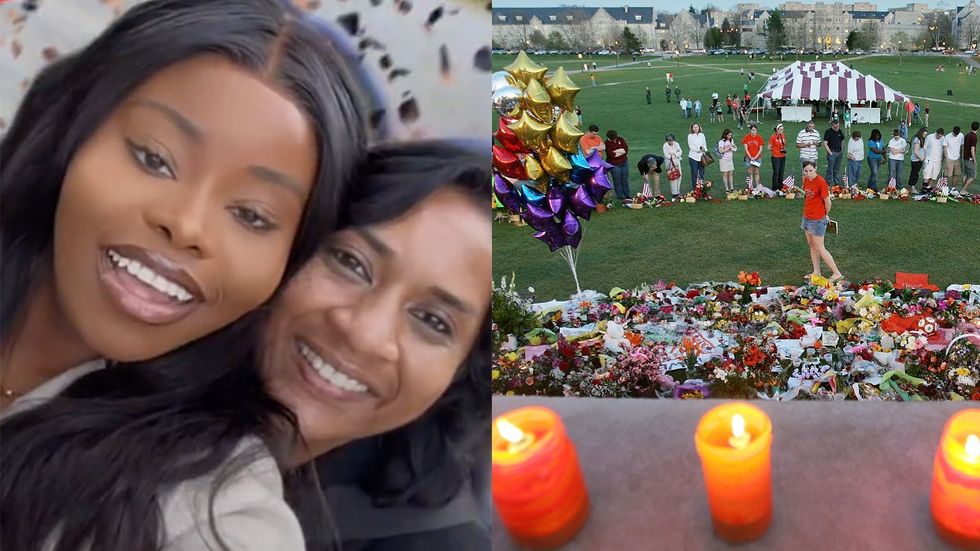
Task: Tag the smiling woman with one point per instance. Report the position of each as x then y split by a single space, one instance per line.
159 183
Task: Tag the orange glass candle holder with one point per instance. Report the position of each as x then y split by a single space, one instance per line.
956 481
538 489
733 441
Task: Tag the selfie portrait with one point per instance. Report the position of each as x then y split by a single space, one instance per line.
245 252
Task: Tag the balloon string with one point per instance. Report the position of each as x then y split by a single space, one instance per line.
571 257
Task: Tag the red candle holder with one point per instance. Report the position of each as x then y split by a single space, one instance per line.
956 481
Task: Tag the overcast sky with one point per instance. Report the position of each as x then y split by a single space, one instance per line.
673 5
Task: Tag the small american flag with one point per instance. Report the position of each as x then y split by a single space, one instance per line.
748 180
891 182
788 182
646 190
942 183
844 179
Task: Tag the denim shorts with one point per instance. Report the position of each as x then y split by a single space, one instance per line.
816 228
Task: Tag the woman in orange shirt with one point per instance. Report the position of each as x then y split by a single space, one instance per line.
753 155
816 210
777 145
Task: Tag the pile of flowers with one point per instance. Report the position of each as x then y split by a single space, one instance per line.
866 341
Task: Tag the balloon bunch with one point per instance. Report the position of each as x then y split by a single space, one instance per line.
540 173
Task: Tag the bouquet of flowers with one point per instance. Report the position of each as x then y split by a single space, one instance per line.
639 201
749 281
701 190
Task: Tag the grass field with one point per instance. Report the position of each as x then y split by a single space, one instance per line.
690 243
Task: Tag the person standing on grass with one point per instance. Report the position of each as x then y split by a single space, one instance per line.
696 146
592 76
651 164
697 108
917 114
897 147
668 93
726 163
728 106
833 141
816 217
591 142
777 147
677 93
935 146
616 149
876 151
847 117
578 114
970 156
925 113
683 104
954 146
918 156
855 158
909 109
649 96
807 141
672 154
753 153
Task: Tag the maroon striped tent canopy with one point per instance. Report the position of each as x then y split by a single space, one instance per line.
826 81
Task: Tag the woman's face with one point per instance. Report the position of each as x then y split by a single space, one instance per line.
369 334
177 216
695 129
809 172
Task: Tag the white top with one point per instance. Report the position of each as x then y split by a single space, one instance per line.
697 104
250 512
953 146
726 148
696 145
918 153
714 95
896 148
808 153
683 103
673 153
934 147
855 149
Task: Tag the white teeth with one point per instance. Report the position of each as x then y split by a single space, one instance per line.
149 277
329 373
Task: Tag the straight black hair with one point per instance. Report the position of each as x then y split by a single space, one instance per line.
117 439
425 462
71 98
121 434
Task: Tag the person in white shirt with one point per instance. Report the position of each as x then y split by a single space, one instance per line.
672 155
935 147
855 158
726 146
683 105
696 146
807 141
954 145
897 146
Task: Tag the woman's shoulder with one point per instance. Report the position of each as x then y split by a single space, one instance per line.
248 509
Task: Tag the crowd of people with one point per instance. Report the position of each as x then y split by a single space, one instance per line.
931 156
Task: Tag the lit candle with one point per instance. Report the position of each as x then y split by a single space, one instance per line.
956 480
733 441
538 489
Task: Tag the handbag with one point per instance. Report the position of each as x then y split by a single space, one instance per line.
673 173
706 159
833 227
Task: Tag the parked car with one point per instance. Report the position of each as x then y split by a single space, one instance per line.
970 52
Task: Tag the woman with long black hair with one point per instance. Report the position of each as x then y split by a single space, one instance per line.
158 184
376 336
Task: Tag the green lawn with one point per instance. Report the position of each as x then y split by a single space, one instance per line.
690 243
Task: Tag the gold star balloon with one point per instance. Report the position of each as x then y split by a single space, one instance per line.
562 90
534 169
565 134
534 134
557 164
525 69
538 102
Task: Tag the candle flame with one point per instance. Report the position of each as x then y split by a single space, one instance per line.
973 447
509 431
738 425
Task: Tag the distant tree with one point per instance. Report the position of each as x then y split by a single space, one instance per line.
938 31
775 32
852 40
726 32
871 35
629 41
901 41
537 39
556 41
663 44
713 38
692 10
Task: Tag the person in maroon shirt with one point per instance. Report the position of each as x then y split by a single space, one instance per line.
616 149
970 156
